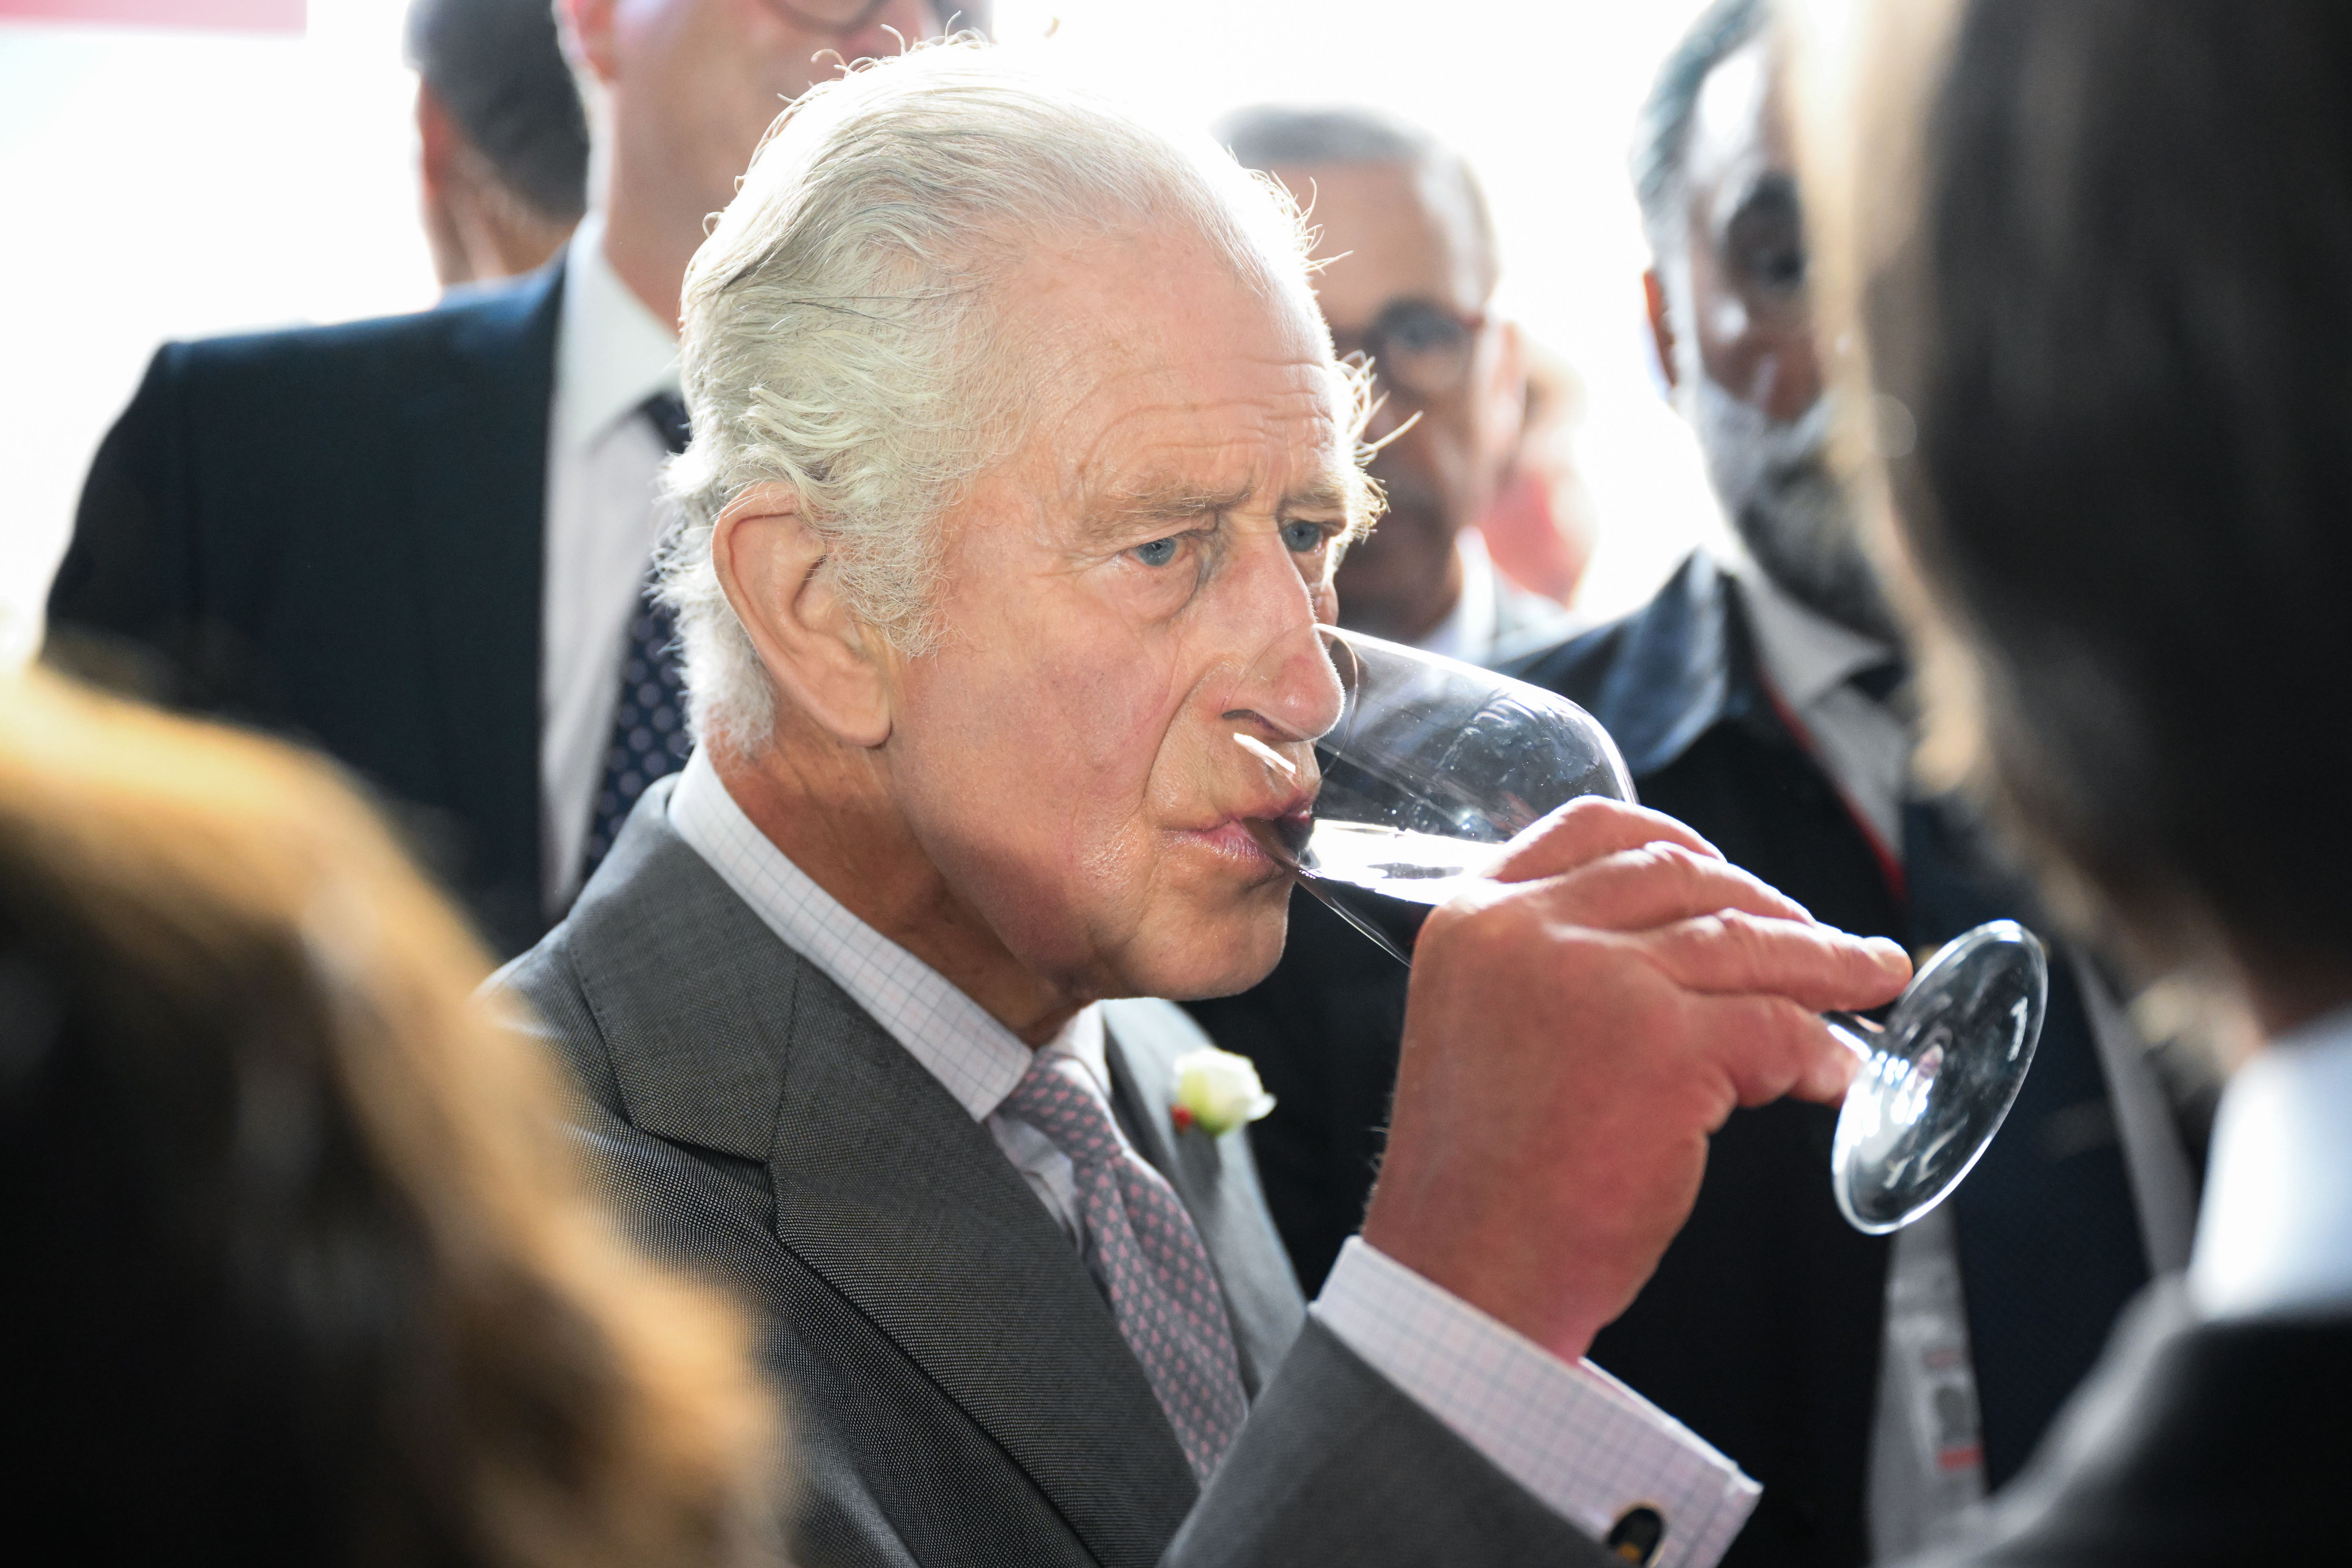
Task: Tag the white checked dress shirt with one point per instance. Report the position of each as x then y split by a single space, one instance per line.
1577 1439
604 462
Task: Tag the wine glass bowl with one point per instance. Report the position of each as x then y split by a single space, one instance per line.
1433 767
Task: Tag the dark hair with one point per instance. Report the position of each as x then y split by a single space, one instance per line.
301 1268
2123 329
496 66
1264 134
1662 131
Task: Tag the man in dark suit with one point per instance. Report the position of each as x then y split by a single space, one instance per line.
1000 595
421 542
1875 1385
2095 257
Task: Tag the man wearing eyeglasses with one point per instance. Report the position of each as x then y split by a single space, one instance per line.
422 542
1409 274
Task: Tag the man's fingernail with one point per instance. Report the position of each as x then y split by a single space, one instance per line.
1889 952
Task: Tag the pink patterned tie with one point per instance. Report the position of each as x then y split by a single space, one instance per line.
1141 1244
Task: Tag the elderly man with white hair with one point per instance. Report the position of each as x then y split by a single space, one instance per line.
1022 466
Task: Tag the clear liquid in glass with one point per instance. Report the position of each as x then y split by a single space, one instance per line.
1434 766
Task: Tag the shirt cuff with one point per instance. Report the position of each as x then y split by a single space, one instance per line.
1585 1445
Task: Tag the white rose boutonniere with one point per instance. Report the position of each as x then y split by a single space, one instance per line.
1216 1092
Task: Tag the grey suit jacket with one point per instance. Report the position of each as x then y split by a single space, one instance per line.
957 1388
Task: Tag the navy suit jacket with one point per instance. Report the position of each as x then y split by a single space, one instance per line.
335 533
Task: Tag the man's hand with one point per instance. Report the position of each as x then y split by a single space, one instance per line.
1576 1029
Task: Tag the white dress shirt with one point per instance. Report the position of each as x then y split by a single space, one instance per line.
1926 1466
1810 662
604 462
2275 1235
1577 1439
1492 620
1467 632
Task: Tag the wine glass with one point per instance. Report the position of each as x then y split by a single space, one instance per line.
1434 766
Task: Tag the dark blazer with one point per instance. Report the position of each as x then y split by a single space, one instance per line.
2194 1445
335 533
1761 1329
957 1389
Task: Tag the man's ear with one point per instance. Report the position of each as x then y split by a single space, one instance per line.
1662 327
772 564
585 29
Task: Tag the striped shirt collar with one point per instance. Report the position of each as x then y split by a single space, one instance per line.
973 1056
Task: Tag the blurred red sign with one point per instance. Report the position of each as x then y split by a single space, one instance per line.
237 15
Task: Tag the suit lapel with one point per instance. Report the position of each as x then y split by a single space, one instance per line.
723 1037
1215 1177
476 445
1673 676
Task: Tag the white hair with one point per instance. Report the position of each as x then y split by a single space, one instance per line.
841 335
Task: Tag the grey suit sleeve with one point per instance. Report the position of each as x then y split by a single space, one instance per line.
1336 1465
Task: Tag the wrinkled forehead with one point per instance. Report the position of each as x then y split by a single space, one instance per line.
1150 361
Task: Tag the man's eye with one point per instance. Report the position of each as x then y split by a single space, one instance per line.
1158 553
1779 267
1303 537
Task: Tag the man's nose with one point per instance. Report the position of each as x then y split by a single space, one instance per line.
1797 386
1289 683
1783 374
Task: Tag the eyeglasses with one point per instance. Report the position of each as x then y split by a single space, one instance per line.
1417 346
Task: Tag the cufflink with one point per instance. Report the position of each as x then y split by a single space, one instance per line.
1636 1534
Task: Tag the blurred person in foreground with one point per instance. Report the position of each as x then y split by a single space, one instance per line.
301 1267
422 542
502 143
1408 276
1765 702
1021 469
2097 257
1874 1385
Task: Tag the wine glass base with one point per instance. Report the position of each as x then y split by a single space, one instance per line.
1941 1078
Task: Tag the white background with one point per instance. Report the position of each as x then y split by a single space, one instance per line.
162 184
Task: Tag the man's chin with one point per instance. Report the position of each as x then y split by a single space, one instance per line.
1216 955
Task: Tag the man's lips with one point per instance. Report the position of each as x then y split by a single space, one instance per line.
1232 840
1267 839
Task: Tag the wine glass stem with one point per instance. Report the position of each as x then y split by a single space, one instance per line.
1852 1032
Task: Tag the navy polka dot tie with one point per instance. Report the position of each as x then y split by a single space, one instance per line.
649 739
